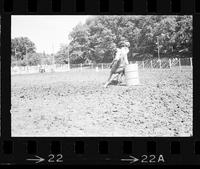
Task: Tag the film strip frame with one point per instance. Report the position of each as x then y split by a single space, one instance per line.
106 150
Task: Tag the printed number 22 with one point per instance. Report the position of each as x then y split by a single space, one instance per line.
55 158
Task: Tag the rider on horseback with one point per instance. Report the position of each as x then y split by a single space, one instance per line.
119 62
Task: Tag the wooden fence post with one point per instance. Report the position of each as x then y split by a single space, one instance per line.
151 64
191 63
179 60
102 66
170 64
81 66
143 65
160 64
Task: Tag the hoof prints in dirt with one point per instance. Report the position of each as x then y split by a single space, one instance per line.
161 106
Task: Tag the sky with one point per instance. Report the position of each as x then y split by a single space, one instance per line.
47 32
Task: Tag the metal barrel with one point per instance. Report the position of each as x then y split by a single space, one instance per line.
131 74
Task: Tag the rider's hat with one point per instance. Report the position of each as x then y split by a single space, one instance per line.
124 44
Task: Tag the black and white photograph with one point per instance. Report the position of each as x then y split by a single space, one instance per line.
101 76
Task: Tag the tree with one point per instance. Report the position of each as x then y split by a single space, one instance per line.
46 59
21 47
61 56
78 47
34 59
98 38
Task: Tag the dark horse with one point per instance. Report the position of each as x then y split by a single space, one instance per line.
115 69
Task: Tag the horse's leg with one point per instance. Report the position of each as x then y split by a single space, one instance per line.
121 75
109 79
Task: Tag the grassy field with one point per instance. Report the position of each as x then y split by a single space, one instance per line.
75 103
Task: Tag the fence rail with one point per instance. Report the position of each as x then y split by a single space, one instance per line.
166 63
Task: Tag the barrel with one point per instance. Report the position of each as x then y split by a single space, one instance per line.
131 74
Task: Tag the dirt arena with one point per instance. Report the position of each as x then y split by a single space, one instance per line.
75 103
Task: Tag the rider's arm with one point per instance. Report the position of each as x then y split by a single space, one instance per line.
125 52
126 60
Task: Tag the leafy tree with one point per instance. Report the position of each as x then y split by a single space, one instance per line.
34 59
21 47
46 59
98 38
61 56
78 48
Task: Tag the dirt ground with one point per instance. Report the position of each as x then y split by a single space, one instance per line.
75 103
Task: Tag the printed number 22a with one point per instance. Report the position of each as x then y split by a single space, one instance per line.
55 158
152 159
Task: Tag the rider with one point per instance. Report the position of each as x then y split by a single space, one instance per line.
120 61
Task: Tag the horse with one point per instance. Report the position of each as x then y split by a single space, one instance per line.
115 69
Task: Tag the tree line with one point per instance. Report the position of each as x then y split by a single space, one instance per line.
23 53
98 38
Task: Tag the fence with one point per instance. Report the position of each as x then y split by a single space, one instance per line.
90 66
166 63
36 69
